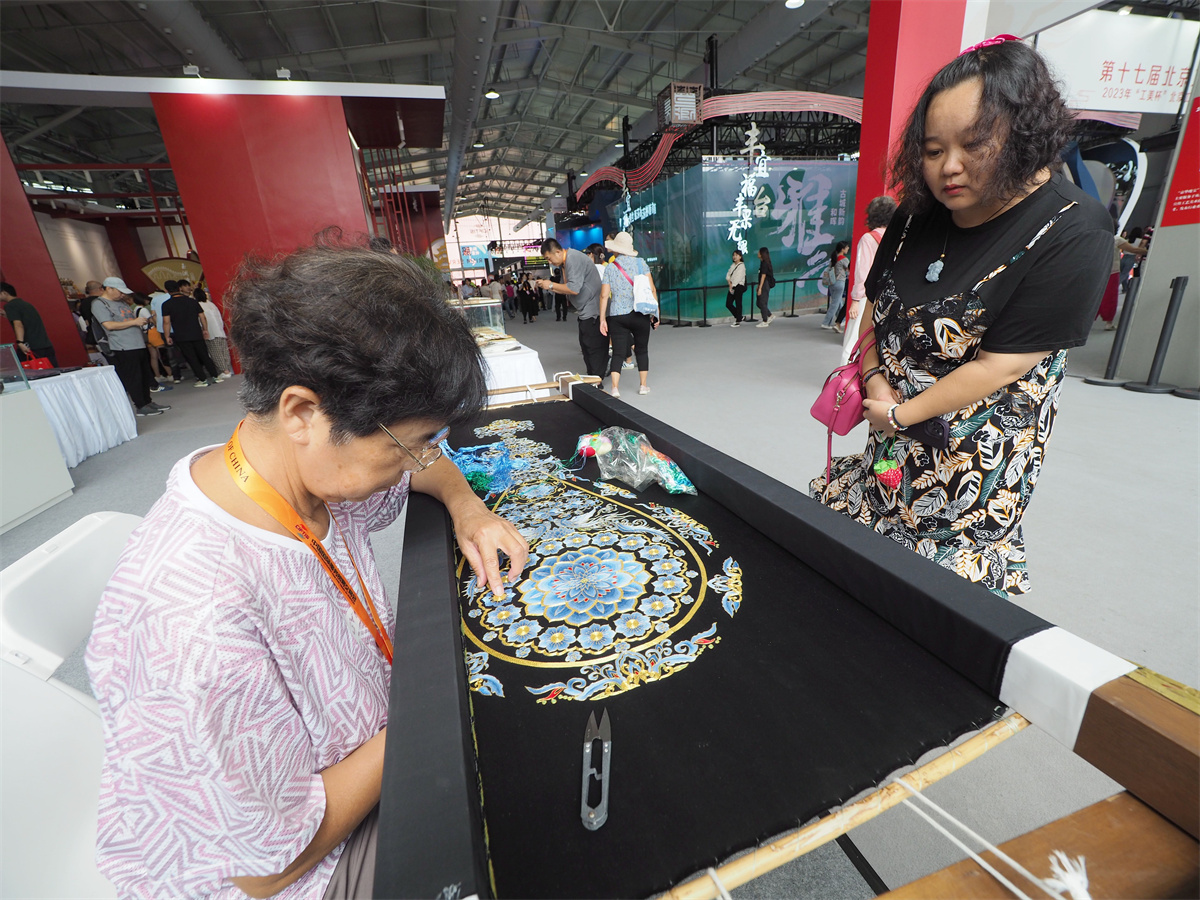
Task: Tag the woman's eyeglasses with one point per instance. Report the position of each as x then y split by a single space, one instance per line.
429 455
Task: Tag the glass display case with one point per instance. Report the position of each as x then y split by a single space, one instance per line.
12 376
482 313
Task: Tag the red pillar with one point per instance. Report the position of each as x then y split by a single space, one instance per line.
130 255
25 263
259 174
907 42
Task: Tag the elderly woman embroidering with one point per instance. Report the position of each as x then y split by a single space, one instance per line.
994 265
242 650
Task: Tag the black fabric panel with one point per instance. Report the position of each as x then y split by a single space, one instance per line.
963 624
430 822
808 698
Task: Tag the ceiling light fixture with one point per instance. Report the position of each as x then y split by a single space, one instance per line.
1124 10
583 174
619 146
492 95
478 145
793 4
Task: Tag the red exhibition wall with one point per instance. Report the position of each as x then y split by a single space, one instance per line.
259 174
907 42
25 263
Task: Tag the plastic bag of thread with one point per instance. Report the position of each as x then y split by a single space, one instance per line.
628 456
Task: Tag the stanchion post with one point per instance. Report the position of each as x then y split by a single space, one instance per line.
704 308
792 314
1114 356
679 323
1151 385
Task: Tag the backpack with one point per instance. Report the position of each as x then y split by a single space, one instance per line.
99 332
827 276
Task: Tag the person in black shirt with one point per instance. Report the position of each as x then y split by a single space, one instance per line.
27 325
766 281
187 328
991 269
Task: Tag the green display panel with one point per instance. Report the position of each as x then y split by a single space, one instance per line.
684 226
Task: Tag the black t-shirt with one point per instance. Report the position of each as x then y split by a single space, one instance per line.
765 269
185 313
1046 300
19 310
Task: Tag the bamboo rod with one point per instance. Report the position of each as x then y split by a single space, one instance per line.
783 850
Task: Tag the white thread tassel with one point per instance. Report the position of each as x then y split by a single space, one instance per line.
1069 875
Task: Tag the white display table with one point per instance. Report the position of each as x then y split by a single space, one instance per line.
88 410
33 476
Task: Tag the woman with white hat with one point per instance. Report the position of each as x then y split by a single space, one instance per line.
618 318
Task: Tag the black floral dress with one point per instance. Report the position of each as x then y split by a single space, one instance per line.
960 507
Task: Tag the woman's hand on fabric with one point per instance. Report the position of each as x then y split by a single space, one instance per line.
482 535
880 389
876 413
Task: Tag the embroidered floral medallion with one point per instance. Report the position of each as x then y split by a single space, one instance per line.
617 592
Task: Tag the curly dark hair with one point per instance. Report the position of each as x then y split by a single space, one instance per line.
1021 112
368 332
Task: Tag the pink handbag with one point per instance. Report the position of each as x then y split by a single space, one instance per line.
839 406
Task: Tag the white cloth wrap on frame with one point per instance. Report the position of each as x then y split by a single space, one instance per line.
1051 675
509 368
88 411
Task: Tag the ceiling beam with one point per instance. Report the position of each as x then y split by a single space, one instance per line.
538 122
49 126
549 84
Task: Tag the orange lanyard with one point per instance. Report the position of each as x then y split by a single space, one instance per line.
270 501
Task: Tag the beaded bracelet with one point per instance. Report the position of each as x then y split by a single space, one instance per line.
891 416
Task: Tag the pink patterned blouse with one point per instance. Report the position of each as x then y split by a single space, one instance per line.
229 672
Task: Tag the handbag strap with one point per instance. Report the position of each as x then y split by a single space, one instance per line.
623 272
858 346
854 356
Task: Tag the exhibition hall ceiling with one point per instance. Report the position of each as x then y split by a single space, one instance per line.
565 71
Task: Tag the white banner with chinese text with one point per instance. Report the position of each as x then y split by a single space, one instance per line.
1125 63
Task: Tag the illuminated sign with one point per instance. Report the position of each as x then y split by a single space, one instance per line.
751 201
629 216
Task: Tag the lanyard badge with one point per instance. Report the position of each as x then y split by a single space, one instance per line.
271 501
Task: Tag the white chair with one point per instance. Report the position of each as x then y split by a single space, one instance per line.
51 742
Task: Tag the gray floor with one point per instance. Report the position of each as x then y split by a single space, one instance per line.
1112 535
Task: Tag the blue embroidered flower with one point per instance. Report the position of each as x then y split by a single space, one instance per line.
633 624
632 542
666 567
597 637
577 540
670 584
604 538
655 552
502 616
535 491
658 606
550 546
556 639
522 631
580 587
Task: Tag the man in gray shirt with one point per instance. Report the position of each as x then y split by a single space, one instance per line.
131 359
582 285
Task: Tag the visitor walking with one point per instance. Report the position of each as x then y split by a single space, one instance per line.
766 281
619 319
736 279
